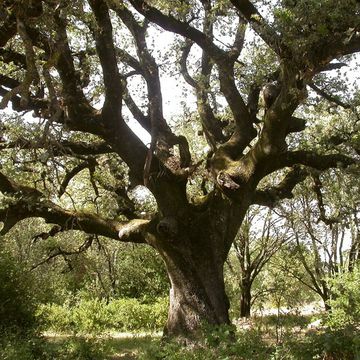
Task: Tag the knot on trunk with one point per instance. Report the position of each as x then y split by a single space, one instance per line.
168 227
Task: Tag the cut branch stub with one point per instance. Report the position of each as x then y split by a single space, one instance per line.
134 230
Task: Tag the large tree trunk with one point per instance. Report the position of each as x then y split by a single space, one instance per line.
194 247
197 295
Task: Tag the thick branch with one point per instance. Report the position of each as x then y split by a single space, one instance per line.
170 23
139 116
238 44
162 138
253 102
134 229
106 51
225 62
76 103
60 148
211 125
7 31
28 202
8 82
183 66
316 161
269 197
31 74
317 189
245 131
353 45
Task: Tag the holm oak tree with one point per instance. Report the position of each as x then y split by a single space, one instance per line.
60 59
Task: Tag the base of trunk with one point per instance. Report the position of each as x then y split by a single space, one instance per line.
245 303
197 300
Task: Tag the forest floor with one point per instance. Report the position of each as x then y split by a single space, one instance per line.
271 326
114 345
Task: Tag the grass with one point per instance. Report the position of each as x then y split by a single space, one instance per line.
126 347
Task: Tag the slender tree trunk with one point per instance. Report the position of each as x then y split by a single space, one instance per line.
325 295
245 299
354 254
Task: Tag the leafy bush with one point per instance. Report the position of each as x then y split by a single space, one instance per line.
32 347
219 343
131 315
255 345
94 316
326 344
17 299
345 302
22 346
79 348
84 316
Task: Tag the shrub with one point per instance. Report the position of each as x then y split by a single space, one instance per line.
32 347
22 346
132 315
94 316
345 302
219 343
79 348
17 300
83 317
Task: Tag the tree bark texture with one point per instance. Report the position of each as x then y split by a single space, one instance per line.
194 259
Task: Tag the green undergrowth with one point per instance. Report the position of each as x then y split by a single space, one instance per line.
256 343
80 329
253 344
95 316
32 347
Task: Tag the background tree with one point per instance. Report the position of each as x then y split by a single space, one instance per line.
261 235
323 219
84 68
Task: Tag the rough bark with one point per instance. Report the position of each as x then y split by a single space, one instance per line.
194 247
197 295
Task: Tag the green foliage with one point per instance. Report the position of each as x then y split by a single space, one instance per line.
257 344
31 347
78 348
281 278
217 346
96 316
25 346
345 303
276 286
342 345
17 299
307 24
131 315
112 270
106 270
